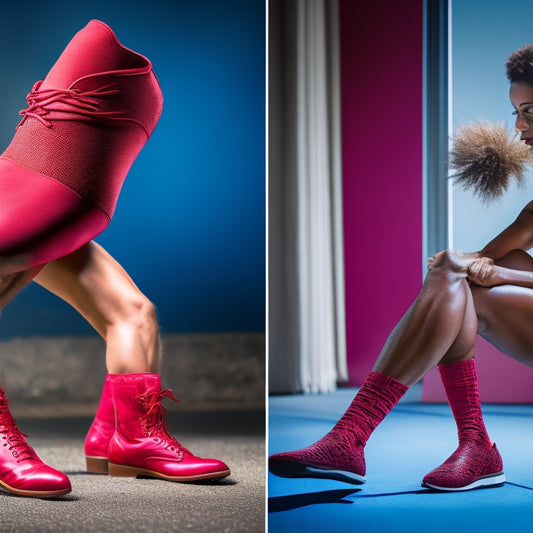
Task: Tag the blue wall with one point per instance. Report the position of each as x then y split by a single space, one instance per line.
484 33
189 226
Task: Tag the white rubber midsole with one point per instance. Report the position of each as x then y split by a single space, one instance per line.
340 475
485 481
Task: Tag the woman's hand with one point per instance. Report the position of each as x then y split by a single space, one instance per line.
483 272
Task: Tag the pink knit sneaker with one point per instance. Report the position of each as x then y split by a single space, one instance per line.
340 453
334 456
471 466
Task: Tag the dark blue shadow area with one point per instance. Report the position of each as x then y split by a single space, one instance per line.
519 486
294 501
190 223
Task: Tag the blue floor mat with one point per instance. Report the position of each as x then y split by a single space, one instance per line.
411 441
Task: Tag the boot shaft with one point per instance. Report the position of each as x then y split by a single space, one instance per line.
128 391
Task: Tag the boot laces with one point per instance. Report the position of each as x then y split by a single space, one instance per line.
13 438
154 420
83 104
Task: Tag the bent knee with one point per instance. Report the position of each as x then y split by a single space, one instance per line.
138 311
448 264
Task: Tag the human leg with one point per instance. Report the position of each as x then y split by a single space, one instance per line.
476 462
440 323
505 312
102 292
504 316
100 289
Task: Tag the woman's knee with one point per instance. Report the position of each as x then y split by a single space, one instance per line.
138 311
447 267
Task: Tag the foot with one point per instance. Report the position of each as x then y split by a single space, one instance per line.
22 472
471 466
335 456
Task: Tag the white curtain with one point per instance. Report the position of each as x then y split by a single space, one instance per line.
307 349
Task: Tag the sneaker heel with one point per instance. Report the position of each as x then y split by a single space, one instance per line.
96 465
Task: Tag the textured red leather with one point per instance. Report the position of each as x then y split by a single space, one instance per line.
22 472
85 124
141 444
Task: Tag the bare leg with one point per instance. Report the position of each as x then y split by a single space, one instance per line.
505 312
440 326
100 289
129 429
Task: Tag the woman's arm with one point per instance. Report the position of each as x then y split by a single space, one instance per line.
485 273
517 236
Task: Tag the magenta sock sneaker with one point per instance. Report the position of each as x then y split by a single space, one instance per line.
340 453
476 462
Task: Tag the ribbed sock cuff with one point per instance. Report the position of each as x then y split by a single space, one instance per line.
377 396
460 382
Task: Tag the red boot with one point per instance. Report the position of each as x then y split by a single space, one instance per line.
141 444
100 433
21 470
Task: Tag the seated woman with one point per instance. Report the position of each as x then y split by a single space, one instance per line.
489 293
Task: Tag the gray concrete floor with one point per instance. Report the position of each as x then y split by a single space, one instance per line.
99 503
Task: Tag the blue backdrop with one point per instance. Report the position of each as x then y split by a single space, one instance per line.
190 223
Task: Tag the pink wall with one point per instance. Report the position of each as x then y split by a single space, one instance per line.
381 65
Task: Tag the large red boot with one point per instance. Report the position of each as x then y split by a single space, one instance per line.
100 433
141 444
21 471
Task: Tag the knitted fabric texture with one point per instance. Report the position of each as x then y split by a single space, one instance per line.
476 456
61 175
90 117
461 385
471 461
343 447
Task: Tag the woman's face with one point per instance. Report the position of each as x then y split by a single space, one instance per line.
521 95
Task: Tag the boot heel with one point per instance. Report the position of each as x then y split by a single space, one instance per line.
96 465
117 470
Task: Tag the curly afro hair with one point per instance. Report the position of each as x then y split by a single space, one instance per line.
485 159
519 65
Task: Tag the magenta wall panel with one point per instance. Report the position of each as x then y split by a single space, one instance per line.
381 66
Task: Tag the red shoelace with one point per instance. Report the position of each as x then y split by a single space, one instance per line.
85 105
154 420
13 438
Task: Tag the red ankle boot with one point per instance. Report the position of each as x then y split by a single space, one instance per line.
141 444
100 433
21 471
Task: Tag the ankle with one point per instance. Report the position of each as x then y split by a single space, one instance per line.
479 438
